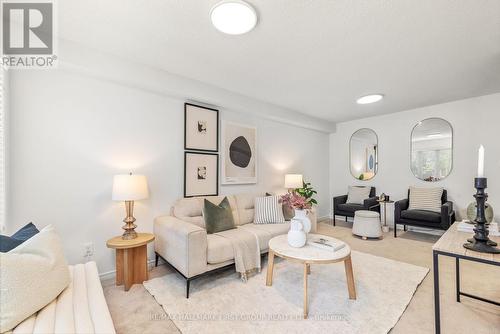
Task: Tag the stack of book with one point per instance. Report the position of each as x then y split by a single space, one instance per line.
327 244
466 226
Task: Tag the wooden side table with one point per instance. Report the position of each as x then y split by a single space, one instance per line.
131 259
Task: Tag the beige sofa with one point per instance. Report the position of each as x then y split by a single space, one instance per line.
182 240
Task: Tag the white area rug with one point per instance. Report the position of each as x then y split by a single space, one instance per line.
224 304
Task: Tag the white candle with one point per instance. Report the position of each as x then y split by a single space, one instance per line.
480 162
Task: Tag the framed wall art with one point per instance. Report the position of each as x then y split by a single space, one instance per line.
239 154
201 174
201 128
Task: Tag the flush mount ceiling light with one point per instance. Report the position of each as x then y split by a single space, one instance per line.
233 17
372 98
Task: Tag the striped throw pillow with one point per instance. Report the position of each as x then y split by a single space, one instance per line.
268 210
425 199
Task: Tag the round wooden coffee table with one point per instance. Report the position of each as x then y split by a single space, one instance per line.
278 246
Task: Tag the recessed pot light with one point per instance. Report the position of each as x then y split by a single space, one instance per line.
233 17
372 98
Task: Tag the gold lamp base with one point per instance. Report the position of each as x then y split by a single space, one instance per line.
129 226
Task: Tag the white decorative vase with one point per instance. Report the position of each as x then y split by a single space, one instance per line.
302 216
296 236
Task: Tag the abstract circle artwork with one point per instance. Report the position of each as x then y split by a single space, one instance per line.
240 152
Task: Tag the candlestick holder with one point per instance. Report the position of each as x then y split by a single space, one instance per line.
480 242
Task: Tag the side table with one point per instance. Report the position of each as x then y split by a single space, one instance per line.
131 259
385 228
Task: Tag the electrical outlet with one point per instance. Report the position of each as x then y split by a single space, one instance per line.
88 249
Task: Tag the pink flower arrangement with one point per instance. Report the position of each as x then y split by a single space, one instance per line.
295 201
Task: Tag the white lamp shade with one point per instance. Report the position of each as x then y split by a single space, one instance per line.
293 181
130 187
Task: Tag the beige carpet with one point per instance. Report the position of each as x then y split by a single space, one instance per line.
136 311
227 305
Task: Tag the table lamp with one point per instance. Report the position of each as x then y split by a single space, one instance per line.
293 181
129 188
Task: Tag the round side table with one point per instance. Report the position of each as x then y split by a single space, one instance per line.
131 259
385 228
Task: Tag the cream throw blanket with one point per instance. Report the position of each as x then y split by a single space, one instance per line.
246 250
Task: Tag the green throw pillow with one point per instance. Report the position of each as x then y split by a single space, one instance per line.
218 218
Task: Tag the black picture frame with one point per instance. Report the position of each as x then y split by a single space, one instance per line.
216 174
216 111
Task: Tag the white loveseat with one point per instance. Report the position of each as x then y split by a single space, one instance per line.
80 308
183 242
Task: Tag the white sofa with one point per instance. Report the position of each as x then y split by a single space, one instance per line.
80 308
182 240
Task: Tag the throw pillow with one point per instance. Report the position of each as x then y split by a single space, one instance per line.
218 218
9 243
288 212
268 210
425 199
33 275
357 195
26 232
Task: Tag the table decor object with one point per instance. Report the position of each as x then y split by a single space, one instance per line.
472 210
301 205
296 236
481 242
466 226
326 244
300 198
129 188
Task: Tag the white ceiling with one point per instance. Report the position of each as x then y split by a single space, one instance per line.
312 56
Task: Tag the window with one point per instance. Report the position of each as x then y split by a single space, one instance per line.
3 111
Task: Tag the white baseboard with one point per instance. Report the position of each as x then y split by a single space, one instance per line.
112 274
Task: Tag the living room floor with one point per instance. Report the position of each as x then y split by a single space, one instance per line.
136 311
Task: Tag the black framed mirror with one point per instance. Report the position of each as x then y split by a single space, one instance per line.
363 154
431 147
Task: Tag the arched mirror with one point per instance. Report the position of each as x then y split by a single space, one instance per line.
363 154
432 149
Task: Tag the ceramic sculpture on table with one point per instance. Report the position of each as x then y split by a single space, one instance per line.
488 212
297 237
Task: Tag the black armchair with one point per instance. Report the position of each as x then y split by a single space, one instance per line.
341 208
424 218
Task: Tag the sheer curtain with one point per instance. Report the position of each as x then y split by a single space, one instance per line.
3 112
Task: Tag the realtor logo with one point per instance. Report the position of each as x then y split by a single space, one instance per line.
28 34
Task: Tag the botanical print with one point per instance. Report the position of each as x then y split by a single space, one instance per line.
201 128
202 173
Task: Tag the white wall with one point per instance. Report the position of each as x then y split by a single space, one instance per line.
70 133
475 121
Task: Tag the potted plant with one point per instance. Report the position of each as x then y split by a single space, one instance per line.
302 201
